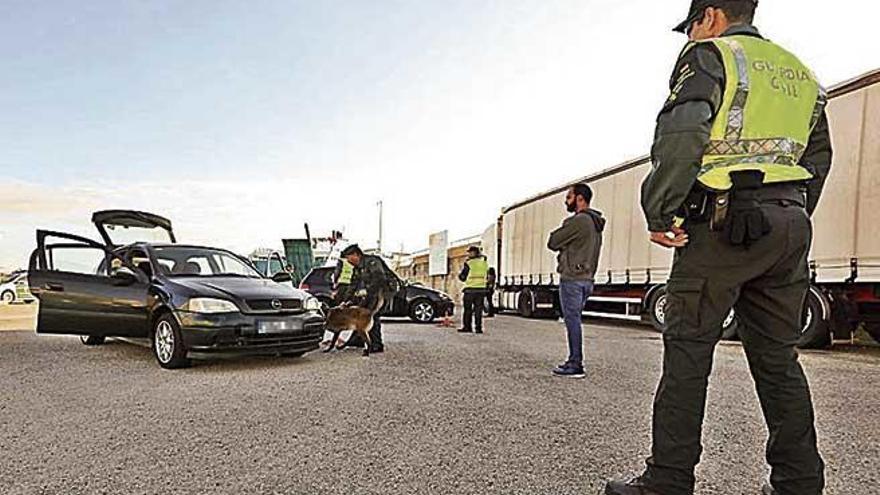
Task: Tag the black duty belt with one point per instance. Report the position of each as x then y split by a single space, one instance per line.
704 206
786 194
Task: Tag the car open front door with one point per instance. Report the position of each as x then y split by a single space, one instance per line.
86 289
124 227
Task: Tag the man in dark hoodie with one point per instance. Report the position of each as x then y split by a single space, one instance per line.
578 242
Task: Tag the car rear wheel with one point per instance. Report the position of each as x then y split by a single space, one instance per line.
168 344
91 340
422 311
7 297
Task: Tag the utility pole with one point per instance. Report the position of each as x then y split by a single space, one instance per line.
380 205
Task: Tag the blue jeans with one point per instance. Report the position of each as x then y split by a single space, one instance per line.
573 296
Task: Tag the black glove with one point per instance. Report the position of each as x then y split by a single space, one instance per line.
746 223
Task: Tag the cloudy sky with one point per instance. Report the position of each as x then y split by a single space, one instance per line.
242 120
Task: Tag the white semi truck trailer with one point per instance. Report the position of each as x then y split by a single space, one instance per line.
630 282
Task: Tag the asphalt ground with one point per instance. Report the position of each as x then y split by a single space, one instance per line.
437 413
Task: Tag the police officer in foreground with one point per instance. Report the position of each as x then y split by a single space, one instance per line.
474 274
740 156
375 285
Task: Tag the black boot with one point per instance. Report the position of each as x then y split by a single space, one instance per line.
630 487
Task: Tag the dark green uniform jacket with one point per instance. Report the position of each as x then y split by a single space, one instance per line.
683 129
372 274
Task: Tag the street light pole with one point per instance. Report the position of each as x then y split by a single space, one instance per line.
380 226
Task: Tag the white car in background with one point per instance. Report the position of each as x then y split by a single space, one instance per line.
14 288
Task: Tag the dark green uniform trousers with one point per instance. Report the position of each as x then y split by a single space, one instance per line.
766 284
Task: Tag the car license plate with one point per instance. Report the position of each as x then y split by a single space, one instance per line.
278 326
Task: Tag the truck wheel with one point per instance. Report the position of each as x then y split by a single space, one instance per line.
873 330
527 304
168 344
422 311
816 329
729 327
657 315
91 340
657 308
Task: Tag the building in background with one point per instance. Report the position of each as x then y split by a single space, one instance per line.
415 267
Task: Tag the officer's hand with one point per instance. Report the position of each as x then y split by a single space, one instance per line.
674 238
361 293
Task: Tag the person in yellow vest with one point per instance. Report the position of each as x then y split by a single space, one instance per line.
474 274
740 157
342 276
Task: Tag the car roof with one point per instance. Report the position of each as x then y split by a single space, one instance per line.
176 246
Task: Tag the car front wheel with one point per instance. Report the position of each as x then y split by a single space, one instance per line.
168 344
422 311
7 297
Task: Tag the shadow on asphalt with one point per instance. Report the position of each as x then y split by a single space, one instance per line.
222 362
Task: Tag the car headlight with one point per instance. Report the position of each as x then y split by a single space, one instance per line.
312 304
210 305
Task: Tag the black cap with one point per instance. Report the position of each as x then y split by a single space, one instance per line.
474 249
352 249
696 12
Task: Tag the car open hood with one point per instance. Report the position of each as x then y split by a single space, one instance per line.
238 288
123 227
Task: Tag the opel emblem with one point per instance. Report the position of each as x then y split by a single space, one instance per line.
276 304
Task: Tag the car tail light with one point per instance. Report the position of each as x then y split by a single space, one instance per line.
304 286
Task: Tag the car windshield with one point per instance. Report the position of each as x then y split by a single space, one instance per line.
201 262
9 278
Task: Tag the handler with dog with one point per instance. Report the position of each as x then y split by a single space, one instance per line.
373 286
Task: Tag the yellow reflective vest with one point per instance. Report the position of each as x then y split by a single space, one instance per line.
771 104
478 272
346 273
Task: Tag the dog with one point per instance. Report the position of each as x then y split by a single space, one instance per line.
355 318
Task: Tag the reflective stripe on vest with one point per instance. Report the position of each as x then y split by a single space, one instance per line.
771 104
346 273
478 271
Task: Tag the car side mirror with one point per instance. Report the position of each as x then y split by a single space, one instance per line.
124 277
282 277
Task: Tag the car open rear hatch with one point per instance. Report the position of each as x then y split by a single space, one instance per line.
123 227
